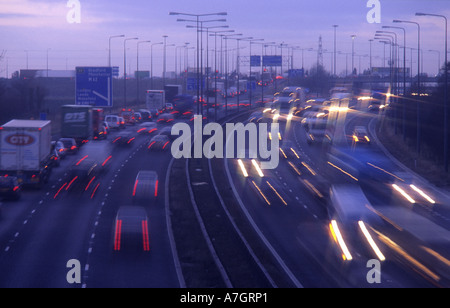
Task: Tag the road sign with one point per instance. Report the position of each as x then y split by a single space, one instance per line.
255 61
272 61
192 84
94 86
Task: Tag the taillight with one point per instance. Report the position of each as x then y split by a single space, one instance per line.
156 188
135 187
118 235
145 237
16 188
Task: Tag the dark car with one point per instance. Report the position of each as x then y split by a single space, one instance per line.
70 145
146 115
131 231
10 188
147 128
124 139
82 174
159 143
165 118
167 131
146 187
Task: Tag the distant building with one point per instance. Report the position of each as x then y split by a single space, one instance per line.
31 74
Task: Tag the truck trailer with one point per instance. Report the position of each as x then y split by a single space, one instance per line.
25 147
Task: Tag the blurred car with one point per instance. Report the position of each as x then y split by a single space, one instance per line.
146 115
138 117
360 135
10 188
165 118
159 143
154 113
121 123
168 107
55 159
59 147
204 118
82 173
100 152
146 186
289 150
124 139
131 232
70 145
147 128
167 131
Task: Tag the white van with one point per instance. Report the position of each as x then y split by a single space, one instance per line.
113 121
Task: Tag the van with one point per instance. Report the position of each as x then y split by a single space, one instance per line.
113 121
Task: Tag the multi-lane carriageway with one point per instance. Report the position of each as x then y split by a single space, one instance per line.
213 227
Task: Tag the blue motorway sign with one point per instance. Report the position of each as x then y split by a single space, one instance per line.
192 84
255 61
272 61
94 86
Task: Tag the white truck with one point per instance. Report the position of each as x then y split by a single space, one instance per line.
25 147
155 99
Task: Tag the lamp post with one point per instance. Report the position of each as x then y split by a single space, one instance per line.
251 42
138 77
110 38
446 102
439 59
125 68
226 38
335 27
151 63
353 53
198 16
418 81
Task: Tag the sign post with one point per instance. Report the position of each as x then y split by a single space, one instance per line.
94 86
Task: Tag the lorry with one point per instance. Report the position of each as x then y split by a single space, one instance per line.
171 91
83 123
155 99
25 151
77 123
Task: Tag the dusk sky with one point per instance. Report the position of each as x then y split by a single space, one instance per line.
31 27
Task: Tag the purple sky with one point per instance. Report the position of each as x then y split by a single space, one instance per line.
28 28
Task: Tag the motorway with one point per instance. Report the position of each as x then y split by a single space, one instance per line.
279 223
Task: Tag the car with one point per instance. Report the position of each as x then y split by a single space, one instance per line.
147 128
121 123
146 115
146 186
100 152
168 107
167 131
70 145
154 113
59 147
360 135
165 118
159 143
124 139
82 174
131 231
138 117
113 121
10 188
288 150
129 116
55 159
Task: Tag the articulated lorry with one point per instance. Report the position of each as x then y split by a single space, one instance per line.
25 148
82 123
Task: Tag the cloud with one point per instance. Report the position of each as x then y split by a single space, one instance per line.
39 14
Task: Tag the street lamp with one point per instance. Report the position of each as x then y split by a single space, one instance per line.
198 16
446 102
151 62
110 38
418 80
125 67
137 69
252 41
335 27
353 53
